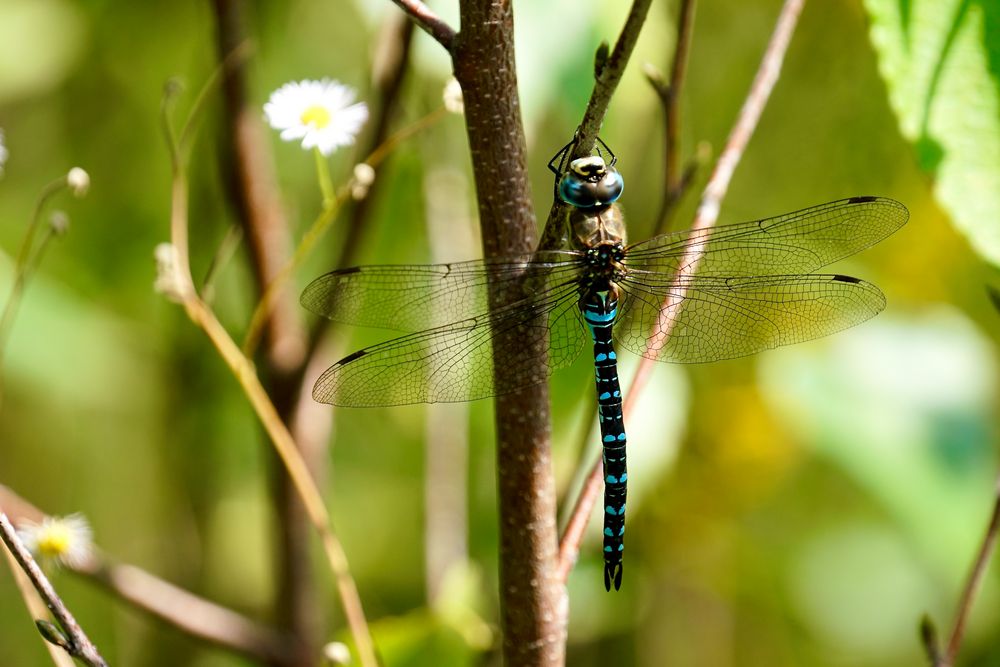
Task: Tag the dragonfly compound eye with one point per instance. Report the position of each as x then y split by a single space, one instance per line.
590 183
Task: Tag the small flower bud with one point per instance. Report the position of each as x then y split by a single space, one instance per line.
364 176
78 181
59 222
168 279
453 100
337 653
4 154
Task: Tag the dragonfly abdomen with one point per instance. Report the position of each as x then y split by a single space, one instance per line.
599 309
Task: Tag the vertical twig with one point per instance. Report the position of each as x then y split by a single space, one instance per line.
532 602
685 25
670 95
705 217
78 644
533 608
253 190
947 659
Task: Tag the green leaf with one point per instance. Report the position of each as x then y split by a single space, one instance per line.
941 62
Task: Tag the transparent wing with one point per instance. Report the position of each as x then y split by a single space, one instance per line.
707 319
415 297
799 242
531 338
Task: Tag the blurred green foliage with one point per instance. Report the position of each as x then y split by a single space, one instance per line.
804 507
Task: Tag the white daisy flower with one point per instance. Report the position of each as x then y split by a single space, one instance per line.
320 113
4 154
66 540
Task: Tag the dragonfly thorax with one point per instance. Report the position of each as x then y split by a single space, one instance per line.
592 228
604 265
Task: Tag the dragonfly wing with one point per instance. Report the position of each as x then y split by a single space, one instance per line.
793 243
415 297
707 319
454 362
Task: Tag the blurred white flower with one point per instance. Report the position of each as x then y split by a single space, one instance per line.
453 100
168 277
337 653
64 540
4 154
320 113
59 222
78 181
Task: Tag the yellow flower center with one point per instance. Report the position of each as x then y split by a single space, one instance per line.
54 541
317 116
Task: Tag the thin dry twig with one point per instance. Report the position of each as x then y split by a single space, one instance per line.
674 180
685 26
77 643
972 585
705 217
429 22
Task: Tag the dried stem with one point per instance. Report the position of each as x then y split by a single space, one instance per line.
670 95
254 193
429 22
28 257
972 585
685 25
77 643
705 217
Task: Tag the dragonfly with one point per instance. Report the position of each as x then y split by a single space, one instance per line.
687 296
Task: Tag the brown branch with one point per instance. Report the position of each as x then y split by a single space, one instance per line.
429 22
705 217
606 78
972 584
77 643
670 95
533 611
193 615
253 191
685 26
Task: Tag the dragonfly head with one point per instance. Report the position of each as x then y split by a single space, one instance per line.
590 183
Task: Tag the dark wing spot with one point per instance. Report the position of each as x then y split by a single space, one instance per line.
861 200
846 279
351 357
347 271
